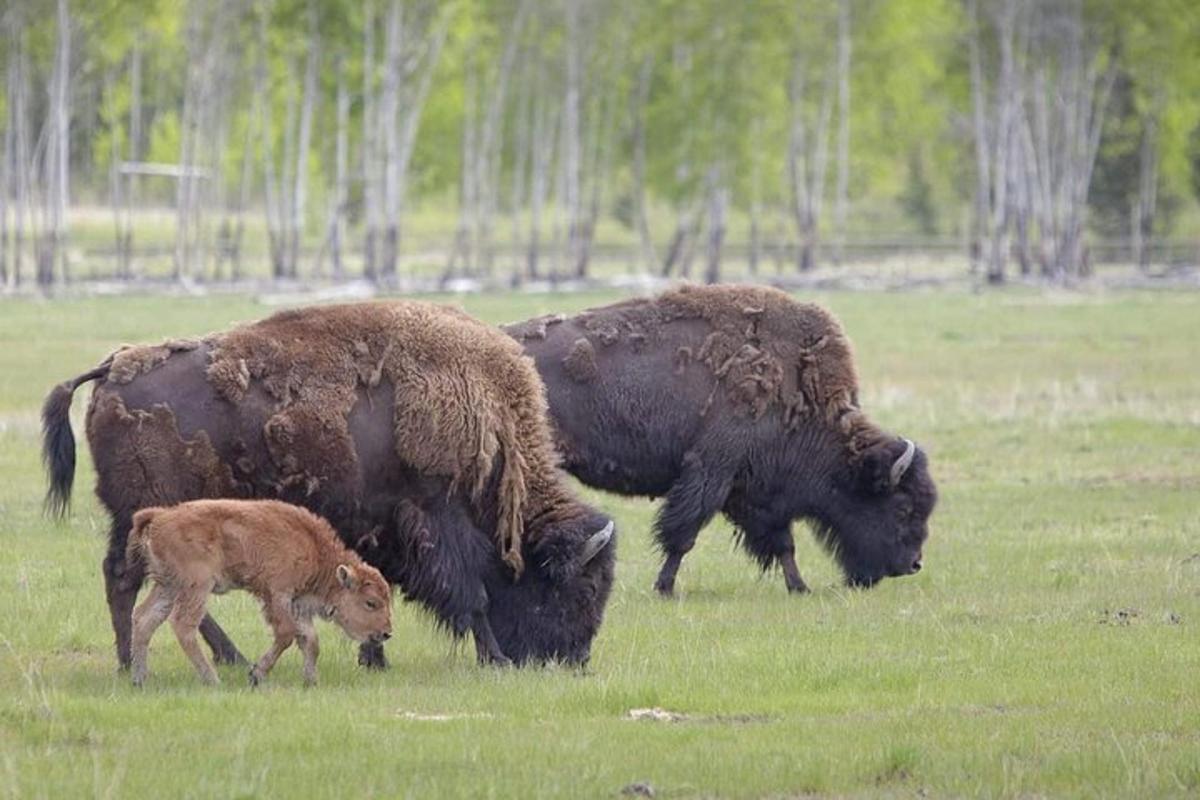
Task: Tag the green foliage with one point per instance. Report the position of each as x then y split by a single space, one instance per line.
718 96
1048 648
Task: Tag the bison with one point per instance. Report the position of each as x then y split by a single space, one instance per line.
735 399
286 556
417 431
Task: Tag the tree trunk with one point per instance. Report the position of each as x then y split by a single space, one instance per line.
571 135
1147 200
337 220
370 163
718 199
638 113
299 207
843 143
125 247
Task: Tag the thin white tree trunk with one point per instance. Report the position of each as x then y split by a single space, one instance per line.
843 140
299 209
640 97
571 133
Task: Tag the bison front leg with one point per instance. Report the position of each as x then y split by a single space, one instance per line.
691 502
371 655
224 651
487 649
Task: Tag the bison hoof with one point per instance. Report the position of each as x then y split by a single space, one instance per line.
497 660
372 657
229 658
256 678
797 588
665 589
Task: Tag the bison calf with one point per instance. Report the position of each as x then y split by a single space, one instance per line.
283 554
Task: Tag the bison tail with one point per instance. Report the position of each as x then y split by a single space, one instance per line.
58 441
135 546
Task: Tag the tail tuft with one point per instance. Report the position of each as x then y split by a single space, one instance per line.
58 448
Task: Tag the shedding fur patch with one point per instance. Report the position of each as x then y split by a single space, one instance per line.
580 362
150 447
766 351
469 406
130 361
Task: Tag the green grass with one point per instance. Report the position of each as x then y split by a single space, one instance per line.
1050 647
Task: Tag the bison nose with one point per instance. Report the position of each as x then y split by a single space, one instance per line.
916 567
383 637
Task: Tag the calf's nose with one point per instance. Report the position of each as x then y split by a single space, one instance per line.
916 567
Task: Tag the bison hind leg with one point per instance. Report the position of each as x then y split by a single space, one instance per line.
122 579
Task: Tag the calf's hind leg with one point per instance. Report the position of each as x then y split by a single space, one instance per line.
691 502
152 613
122 579
185 620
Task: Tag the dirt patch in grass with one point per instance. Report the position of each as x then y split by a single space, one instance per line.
657 714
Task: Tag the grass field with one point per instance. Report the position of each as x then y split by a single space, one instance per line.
1051 647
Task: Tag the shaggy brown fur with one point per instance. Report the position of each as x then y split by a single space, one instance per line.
481 405
286 556
766 349
357 412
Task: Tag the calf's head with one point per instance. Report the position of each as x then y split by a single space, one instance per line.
881 514
362 603
554 610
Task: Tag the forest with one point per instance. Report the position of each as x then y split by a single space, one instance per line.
524 141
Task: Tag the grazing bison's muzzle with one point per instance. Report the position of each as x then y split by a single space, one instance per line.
553 612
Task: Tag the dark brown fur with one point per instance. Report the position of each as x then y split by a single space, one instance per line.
737 399
418 431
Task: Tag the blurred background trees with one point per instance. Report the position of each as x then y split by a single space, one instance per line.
531 140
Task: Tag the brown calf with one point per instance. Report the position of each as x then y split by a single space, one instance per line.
289 558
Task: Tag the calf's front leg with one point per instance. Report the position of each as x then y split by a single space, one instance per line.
306 637
279 617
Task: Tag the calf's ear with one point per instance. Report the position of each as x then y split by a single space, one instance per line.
345 576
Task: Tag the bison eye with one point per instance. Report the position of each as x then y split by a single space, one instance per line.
372 605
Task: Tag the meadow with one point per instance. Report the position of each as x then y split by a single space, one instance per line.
1049 648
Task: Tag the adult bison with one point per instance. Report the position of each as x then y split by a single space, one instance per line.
418 432
735 399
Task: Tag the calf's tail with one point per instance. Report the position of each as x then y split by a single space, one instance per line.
135 545
58 441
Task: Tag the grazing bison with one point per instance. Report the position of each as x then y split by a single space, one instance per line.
286 556
417 431
735 399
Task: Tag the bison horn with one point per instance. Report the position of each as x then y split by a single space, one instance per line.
596 543
903 462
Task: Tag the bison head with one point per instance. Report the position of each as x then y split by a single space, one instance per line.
554 610
879 520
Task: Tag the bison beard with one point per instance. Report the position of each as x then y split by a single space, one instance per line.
419 433
739 400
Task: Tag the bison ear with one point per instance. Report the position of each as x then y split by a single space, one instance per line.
345 576
883 466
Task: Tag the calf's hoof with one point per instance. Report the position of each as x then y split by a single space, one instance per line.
256 677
